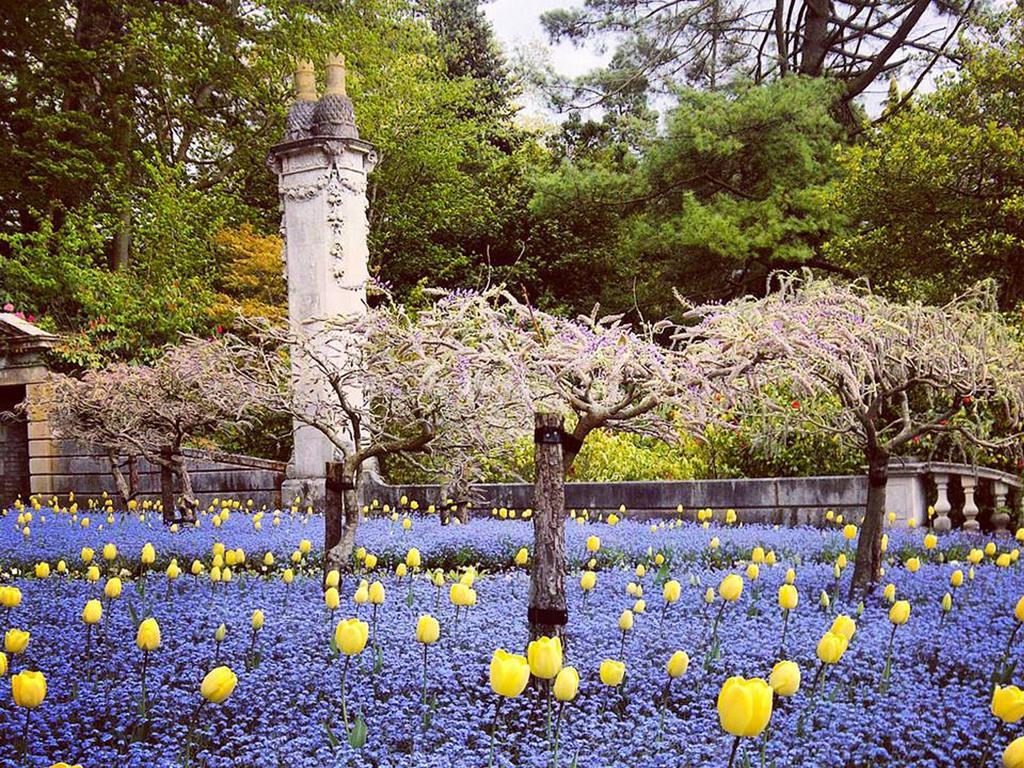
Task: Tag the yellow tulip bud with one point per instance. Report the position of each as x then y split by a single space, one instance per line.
975 556
28 689
947 602
587 580
87 555
148 635
332 599
731 588
744 706
567 684
611 672
671 591
593 543
956 579
831 647
509 673
112 589
15 641
677 664
42 570
913 564
1013 755
257 620
218 684
1008 703
93 612
350 636
844 625
1004 560
899 612
220 633
92 573
412 558
304 546
990 549
148 556
428 630
626 620
370 561
544 656
788 597
930 541
288 576
401 570
889 593
785 678
522 557
109 552
849 532
753 571
709 595
3 663
376 593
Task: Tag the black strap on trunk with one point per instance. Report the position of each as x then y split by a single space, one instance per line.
550 617
556 436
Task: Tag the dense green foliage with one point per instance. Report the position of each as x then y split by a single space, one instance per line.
938 189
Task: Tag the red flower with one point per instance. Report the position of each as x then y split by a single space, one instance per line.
796 404
968 400
220 329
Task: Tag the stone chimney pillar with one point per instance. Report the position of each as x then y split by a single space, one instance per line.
321 166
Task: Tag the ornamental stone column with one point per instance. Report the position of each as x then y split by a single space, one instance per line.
321 166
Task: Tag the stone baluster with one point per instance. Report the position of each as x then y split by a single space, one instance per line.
969 482
942 507
1000 518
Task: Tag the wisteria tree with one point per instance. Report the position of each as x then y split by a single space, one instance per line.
899 371
152 412
388 382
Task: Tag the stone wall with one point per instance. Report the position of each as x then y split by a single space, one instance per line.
78 468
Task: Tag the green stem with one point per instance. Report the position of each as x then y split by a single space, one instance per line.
424 673
785 626
732 752
547 688
344 705
558 728
494 731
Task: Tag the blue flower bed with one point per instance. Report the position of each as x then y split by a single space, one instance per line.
285 712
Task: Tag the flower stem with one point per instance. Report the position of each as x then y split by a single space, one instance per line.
494 731
785 626
424 673
558 728
344 706
732 752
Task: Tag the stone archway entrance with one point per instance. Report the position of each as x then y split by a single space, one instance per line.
14 468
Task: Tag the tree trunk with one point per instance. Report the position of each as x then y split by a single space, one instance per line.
133 475
167 485
547 614
815 34
868 563
189 500
341 515
123 489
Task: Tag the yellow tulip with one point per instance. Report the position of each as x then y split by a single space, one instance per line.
509 673
401 570
930 541
626 620
849 532
899 612
757 555
428 630
87 555
93 612
288 576
42 570
731 588
332 599
611 672
257 620
350 636
831 647
544 656
671 591
15 641
744 706
788 597
10 597
709 595
593 543
376 593
845 626
913 564
947 602
677 664
588 579
148 636
220 633
3 663
990 548
412 558
109 552
92 573
1013 755
148 556
1004 560
567 684
1008 703
218 684
370 561
28 689
112 589
975 556
889 593
304 546
753 571
785 678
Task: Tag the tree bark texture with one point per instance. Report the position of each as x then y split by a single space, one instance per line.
341 515
548 605
167 485
868 562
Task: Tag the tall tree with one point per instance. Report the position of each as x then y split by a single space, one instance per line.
936 188
708 43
